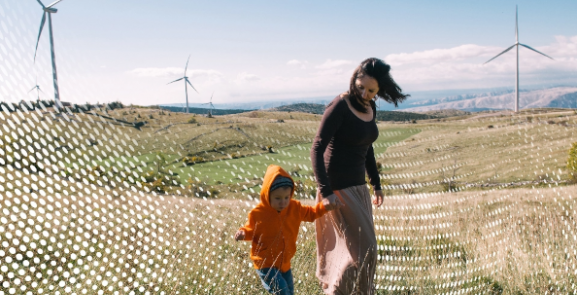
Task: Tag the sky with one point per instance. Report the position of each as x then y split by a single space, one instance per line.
244 51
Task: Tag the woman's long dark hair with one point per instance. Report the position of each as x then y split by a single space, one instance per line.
388 88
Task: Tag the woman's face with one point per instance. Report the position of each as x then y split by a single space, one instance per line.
368 87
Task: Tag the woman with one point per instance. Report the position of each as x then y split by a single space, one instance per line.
341 153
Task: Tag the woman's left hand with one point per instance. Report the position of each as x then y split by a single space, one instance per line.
378 201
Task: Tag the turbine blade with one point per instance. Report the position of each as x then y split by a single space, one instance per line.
186 66
41 4
176 80
40 33
516 23
32 89
535 50
53 3
191 85
40 89
500 53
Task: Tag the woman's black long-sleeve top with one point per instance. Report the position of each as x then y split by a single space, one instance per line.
343 149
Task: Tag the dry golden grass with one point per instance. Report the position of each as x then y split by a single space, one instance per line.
513 150
500 241
77 233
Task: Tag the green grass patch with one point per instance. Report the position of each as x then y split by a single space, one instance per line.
294 158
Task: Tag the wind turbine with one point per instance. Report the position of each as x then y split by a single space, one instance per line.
185 82
517 44
210 106
37 90
48 10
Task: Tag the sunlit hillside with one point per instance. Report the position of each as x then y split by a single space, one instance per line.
475 204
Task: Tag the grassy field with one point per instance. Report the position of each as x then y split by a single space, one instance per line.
476 204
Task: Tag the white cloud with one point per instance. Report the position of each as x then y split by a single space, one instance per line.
463 66
156 72
331 64
211 75
459 67
244 76
172 72
440 55
295 62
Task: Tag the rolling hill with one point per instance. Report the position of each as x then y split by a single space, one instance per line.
560 97
203 111
314 108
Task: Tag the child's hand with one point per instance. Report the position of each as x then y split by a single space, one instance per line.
239 235
332 202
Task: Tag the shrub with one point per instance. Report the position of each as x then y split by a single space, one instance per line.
200 189
490 126
253 114
192 120
295 172
306 189
572 163
212 192
407 189
158 185
115 105
380 166
192 160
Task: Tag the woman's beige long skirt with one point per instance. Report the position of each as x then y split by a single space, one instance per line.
347 245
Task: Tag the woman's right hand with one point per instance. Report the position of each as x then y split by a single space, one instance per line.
332 202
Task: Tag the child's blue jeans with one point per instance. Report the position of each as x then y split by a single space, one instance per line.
277 282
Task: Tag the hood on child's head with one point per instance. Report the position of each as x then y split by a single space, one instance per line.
271 173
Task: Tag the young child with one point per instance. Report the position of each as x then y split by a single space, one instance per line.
273 227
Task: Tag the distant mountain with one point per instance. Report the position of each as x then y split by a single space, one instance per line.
216 112
401 116
447 113
560 97
381 115
257 105
458 97
313 108
473 100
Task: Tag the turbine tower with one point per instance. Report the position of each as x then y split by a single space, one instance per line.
210 106
185 82
48 10
517 44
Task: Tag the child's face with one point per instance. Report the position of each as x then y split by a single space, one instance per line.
280 198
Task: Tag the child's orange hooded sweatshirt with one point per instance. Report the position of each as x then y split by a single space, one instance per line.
274 234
